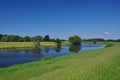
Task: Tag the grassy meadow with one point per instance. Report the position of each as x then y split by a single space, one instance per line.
101 64
9 45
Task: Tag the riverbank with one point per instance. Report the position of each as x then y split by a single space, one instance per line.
102 64
25 45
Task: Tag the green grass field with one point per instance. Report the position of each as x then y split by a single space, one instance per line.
102 64
9 45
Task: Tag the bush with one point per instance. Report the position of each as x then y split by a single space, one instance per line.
75 40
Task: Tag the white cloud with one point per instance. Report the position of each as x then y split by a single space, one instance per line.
112 34
107 33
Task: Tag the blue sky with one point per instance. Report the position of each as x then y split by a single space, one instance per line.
61 18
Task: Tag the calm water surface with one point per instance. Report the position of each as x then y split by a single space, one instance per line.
12 57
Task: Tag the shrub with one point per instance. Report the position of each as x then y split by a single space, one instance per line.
75 40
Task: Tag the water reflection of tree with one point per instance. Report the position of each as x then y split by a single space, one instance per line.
14 51
46 50
58 49
37 51
73 48
27 51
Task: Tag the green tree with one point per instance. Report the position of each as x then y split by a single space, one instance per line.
13 38
1 36
5 39
58 41
36 44
17 38
37 38
21 39
46 38
75 40
27 39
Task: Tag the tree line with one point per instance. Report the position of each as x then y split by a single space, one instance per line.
102 40
16 38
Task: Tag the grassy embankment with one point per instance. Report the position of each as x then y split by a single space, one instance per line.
17 45
102 64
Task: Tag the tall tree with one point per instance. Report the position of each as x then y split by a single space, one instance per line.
21 39
27 39
36 44
5 39
46 38
1 36
75 40
37 38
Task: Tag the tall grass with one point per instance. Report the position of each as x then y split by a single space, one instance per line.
102 64
11 45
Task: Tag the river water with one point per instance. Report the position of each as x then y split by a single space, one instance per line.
13 57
